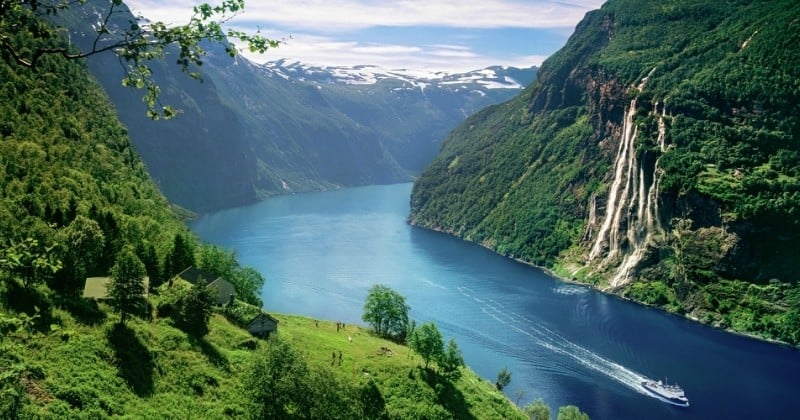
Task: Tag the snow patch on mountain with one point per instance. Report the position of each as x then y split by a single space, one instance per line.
496 77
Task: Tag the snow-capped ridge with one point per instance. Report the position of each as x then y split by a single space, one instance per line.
494 77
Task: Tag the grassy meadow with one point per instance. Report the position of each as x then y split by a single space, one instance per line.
79 362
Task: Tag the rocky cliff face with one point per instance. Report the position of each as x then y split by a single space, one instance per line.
650 158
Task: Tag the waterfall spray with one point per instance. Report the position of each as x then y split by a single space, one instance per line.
631 217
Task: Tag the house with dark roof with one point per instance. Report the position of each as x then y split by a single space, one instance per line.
262 325
223 289
195 275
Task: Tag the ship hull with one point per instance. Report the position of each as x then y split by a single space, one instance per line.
666 399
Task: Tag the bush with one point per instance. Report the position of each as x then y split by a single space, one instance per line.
188 306
241 313
279 384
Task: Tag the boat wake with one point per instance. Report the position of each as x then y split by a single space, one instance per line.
555 342
570 290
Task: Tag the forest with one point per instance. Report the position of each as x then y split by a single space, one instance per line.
520 177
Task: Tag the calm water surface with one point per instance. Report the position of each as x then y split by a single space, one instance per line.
567 344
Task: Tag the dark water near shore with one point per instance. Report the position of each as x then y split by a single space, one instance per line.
567 344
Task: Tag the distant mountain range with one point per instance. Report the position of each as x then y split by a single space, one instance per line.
249 131
477 81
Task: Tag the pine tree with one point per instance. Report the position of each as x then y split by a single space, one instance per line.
180 258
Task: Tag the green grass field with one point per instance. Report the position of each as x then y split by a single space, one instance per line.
82 364
395 368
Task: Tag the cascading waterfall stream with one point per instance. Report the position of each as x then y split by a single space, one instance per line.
631 214
587 233
620 164
646 225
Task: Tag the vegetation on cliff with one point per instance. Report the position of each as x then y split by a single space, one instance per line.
713 91
70 179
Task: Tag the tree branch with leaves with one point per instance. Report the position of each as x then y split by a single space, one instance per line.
28 32
29 260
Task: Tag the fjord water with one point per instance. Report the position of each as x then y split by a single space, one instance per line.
565 343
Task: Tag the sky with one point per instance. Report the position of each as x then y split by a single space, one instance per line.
429 35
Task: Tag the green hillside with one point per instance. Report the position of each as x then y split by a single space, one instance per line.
655 157
75 197
72 185
97 368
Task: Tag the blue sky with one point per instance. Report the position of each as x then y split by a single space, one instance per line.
428 35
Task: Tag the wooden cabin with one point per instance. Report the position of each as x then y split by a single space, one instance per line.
262 325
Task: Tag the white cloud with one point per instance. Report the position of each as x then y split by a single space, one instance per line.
319 50
314 31
335 15
451 53
385 49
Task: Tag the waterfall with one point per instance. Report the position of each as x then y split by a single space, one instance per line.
614 205
631 214
587 233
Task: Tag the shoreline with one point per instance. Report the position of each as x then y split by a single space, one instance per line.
552 274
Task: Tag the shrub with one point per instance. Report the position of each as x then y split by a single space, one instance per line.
188 306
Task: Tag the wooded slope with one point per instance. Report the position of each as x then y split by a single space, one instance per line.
533 178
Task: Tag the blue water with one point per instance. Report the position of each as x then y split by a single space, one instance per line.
567 344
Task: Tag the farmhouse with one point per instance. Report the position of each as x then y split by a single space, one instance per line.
223 289
262 325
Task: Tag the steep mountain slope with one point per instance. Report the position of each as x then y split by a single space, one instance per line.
250 131
409 112
71 186
656 156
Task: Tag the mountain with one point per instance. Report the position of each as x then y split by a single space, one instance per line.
391 123
249 131
656 157
479 82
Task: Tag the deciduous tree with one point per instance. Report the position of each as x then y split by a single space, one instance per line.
451 360
29 261
26 36
221 262
537 410
428 342
275 381
386 311
571 412
82 244
189 306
